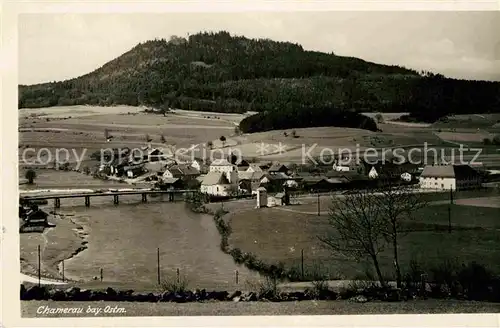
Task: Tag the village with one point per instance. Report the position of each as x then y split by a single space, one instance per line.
234 177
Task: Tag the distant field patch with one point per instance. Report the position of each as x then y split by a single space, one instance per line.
465 137
493 202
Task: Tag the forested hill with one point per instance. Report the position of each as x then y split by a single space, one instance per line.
220 72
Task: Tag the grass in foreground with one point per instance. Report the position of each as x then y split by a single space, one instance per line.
29 308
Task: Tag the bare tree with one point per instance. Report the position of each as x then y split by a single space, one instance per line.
358 229
398 205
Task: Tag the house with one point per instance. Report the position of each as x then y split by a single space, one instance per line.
133 171
156 167
200 165
154 155
181 171
147 154
253 167
280 199
245 185
340 165
217 184
406 176
274 182
278 168
373 174
171 183
222 165
449 177
243 165
251 176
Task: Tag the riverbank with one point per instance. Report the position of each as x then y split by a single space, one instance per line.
57 244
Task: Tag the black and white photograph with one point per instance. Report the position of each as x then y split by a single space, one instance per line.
272 163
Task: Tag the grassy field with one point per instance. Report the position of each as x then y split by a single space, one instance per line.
29 308
51 179
279 234
82 127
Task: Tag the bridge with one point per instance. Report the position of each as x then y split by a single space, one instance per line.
115 194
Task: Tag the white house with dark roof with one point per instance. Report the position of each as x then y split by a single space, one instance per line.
217 184
181 171
446 177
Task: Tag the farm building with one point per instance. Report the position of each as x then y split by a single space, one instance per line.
321 183
133 171
34 220
446 177
181 171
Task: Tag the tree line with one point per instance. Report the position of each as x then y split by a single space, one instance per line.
225 73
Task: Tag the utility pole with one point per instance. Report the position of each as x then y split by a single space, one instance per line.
449 218
318 206
158 264
62 263
39 267
449 210
302 262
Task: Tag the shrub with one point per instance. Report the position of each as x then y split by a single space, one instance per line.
487 142
268 288
475 280
177 284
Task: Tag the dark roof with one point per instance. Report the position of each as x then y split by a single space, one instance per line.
313 179
134 167
252 176
277 167
183 169
449 171
170 180
277 176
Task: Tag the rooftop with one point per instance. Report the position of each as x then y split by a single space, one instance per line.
449 171
214 178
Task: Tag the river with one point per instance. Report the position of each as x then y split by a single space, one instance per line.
123 241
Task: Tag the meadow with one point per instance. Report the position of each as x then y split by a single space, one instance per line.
280 234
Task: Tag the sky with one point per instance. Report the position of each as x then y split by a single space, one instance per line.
466 45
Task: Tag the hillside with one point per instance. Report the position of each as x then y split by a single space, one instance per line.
220 72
